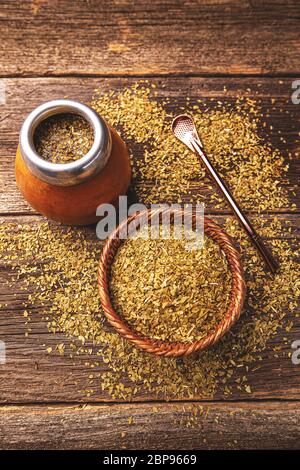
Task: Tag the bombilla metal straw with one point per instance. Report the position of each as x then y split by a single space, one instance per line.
184 129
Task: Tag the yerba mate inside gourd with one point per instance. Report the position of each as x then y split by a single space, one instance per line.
63 138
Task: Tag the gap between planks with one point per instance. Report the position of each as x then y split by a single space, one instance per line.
151 402
273 75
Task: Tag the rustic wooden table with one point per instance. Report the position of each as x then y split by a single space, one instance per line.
50 49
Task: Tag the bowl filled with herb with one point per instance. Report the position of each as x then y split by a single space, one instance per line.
165 297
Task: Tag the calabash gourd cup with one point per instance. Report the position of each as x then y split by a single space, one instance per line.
163 348
71 192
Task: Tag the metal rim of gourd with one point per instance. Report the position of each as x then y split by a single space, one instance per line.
65 174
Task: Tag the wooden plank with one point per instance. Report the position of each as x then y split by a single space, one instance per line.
165 426
22 95
32 375
123 37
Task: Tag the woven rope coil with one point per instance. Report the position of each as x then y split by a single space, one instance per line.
238 288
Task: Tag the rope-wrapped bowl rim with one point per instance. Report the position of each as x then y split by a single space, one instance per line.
166 348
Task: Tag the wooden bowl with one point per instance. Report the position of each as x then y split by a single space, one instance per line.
163 348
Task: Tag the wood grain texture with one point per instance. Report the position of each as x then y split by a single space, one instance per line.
32 375
23 95
40 37
119 41
216 426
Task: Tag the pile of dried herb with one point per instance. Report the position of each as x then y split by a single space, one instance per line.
57 271
63 138
166 291
230 132
57 268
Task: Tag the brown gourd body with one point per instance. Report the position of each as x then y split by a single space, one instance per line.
76 205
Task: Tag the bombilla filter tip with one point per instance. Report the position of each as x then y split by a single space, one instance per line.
184 129
182 121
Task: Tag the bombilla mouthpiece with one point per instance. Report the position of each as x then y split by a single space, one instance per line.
184 129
